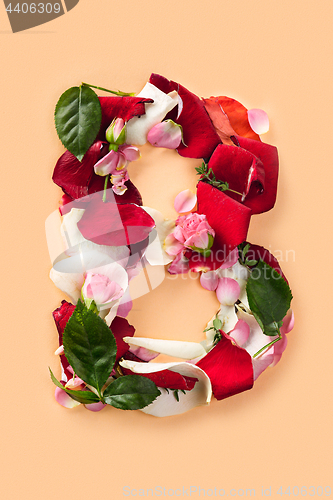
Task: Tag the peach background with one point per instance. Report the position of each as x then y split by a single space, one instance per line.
274 55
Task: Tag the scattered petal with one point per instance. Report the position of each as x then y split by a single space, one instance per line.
64 399
95 406
185 201
228 291
258 120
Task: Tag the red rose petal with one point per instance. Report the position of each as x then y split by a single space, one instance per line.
257 252
167 379
121 328
114 225
237 114
229 219
269 157
199 134
120 107
74 176
61 316
240 168
229 368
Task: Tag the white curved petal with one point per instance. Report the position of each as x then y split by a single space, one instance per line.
166 404
69 283
176 348
138 127
155 253
261 363
111 314
228 317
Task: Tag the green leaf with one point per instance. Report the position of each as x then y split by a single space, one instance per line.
84 397
89 346
130 392
269 297
78 117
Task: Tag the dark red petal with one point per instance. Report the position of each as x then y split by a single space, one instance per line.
257 252
199 134
198 262
237 114
167 379
229 368
269 157
114 225
240 168
229 219
74 176
121 328
61 317
120 107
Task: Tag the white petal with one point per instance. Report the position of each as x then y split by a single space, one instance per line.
176 348
138 127
166 404
69 283
155 253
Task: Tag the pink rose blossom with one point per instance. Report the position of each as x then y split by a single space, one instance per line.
101 289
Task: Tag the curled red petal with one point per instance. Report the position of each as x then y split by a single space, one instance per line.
229 218
120 107
229 368
256 252
74 176
268 156
167 379
199 134
238 118
113 224
61 316
243 171
121 328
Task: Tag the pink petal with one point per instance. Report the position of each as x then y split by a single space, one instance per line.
143 353
95 406
288 322
231 259
228 291
261 363
185 201
131 153
166 134
107 164
209 280
180 265
75 383
240 333
258 120
64 399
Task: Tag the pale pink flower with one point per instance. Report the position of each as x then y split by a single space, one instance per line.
101 289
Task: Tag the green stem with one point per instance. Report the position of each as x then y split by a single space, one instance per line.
265 347
233 191
105 187
119 92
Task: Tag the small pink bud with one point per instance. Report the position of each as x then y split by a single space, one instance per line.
167 134
116 133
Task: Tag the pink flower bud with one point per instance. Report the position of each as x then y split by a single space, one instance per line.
167 134
116 133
